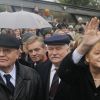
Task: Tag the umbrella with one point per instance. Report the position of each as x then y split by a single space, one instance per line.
22 19
5 18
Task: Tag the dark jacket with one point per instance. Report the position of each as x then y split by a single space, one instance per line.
44 71
28 85
79 84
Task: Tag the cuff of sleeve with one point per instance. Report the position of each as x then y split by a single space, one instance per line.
76 56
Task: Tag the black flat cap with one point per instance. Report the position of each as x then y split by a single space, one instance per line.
9 41
57 39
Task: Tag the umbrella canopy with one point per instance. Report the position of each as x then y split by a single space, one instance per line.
5 19
22 19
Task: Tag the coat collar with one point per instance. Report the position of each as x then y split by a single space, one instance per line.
21 77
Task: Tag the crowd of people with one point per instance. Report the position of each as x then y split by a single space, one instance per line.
50 64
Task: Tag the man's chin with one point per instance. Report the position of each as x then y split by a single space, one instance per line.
2 65
55 62
35 60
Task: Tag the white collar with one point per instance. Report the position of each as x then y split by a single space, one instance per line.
53 67
12 73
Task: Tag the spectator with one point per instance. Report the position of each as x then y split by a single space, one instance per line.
36 50
15 84
58 47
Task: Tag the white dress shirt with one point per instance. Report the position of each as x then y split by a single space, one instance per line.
52 73
12 73
76 56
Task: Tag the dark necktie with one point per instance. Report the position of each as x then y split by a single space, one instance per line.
54 86
8 83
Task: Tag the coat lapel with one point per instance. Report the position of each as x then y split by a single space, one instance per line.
48 80
1 81
20 81
19 86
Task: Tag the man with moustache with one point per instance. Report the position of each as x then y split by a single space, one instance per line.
58 46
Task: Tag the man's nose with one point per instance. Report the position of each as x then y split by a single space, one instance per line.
33 52
2 53
54 51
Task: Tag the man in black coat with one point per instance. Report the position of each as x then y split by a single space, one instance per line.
35 51
83 78
58 47
17 82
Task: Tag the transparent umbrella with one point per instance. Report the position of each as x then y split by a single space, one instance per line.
22 19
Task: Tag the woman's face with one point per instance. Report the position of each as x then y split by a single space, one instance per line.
93 57
17 32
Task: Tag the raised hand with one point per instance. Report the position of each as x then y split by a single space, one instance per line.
90 37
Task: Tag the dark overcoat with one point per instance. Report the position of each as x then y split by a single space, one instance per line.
44 71
28 85
79 83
